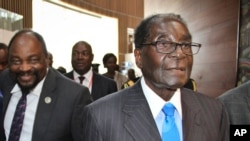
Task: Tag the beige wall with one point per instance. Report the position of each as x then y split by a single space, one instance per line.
5 36
214 24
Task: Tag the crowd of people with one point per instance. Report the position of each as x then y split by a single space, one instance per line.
41 103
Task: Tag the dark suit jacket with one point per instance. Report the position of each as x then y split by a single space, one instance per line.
101 85
126 116
237 102
1 103
59 120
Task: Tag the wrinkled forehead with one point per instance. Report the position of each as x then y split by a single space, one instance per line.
171 29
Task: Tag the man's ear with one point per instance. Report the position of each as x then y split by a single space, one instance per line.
47 60
137 54
92 57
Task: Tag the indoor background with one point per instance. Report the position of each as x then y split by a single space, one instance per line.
213 23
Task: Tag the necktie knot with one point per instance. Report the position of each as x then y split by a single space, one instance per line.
81 78
25 92
168 109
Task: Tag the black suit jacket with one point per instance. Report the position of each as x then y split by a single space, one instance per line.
101 85
1 104
237 102
59 120
126 116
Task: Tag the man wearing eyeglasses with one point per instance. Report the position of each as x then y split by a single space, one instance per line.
158 108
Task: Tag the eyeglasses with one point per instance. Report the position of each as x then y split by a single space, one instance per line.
169 47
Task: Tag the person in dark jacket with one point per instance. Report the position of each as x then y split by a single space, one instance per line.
81 60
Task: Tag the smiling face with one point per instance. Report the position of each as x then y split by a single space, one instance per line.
28 62
165 71
82 58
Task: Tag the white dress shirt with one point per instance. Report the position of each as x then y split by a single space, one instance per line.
156 104
30 112
88 80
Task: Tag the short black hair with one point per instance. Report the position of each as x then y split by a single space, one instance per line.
107 56
142 32
3 46
83 43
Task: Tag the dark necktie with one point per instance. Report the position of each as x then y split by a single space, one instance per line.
17 122
81 78
169 129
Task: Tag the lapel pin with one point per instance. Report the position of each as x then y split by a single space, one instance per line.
47 100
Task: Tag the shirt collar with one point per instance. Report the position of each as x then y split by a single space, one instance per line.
156 102
88 75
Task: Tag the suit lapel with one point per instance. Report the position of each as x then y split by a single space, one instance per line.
191 117
45 107
139 120
10 85
6 101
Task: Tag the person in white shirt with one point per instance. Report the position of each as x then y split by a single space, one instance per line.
81 60
41 103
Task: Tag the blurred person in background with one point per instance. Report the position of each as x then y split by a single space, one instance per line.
131 78
81 60
3 66
110 62
3 56
62 70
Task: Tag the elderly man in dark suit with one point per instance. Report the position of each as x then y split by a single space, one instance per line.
164 53
40 104
81 61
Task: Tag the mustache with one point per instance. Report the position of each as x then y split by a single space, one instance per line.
26 89
22 73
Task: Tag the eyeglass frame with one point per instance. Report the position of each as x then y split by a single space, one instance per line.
174 46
